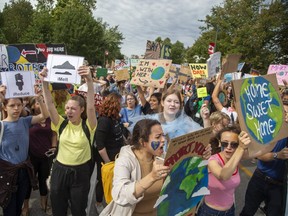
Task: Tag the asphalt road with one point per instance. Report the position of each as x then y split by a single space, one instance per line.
246 170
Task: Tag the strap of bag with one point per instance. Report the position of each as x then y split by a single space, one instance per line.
1 131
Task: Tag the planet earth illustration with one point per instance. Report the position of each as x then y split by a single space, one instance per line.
184 180
157 73
269 101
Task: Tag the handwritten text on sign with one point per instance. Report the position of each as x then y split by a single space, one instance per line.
199 70
260 105
281 72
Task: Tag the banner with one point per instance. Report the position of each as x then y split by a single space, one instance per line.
187 181
151 73
214 64
281 72
199 70
18 83
260 111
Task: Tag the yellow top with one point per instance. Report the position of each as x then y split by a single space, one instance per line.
74 146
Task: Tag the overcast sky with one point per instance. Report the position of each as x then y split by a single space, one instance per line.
142 20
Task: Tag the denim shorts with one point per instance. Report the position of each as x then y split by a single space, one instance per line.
205 210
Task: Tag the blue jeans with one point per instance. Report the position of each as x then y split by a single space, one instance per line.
205 210
260 189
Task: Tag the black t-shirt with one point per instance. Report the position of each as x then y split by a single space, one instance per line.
146 109
109 135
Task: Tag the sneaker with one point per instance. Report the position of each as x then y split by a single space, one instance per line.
99 207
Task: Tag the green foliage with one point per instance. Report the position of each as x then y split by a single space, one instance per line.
177 52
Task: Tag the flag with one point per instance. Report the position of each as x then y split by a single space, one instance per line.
211 48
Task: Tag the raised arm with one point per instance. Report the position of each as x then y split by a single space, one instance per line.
141 96
54 116
224 173
44 112
215 93
84 71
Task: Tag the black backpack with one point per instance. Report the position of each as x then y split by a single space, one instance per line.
87 133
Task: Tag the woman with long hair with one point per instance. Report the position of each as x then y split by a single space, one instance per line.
108 137
16 170
70 178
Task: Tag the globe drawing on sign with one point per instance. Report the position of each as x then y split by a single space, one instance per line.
157 73
13 53
183 188
261 109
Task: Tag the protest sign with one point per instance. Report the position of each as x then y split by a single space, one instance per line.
214 64
122 75
4 59
134 62
18 83
260 111
202 92
199 70
63 68
180 72
101 72
151 73
230 64
156 50
187 182
97 98
121 64
281 72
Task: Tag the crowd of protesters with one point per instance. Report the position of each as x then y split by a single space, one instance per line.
135 123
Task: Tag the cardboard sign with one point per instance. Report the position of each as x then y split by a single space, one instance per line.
180 72
187 182
18 83
214 64
63 68
230 63
281 72
202 92
102 72
122 75
199 70
260 111
97 98
155 50
151 73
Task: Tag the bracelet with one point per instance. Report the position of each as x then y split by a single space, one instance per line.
141 185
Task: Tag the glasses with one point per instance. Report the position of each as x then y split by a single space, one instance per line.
233 145
130 99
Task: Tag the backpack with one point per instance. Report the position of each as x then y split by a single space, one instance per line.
107 173
87 133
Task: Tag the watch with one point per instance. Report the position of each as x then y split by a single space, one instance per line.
275 155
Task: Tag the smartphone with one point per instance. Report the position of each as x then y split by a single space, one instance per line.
159 160
50 153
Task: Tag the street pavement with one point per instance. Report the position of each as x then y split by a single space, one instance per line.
246 169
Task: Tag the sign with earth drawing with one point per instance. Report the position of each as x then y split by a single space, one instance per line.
281 72
260 111
187 181
151 73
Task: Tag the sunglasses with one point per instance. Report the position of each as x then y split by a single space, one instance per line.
233 145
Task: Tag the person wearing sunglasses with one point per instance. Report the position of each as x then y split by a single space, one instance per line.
224 176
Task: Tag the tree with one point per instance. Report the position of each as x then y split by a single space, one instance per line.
17 17
177 52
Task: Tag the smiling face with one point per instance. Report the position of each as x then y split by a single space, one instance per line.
73 111
156 141
228 137
171 105
154 103
13 108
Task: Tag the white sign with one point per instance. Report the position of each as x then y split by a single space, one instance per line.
63 68
18 83
214 64
4 61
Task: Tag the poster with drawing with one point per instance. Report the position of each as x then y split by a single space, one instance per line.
281 72
18 83
63 68
179 72
187 181
151 73
199 70
260 111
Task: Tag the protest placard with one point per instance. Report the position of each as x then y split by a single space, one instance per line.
157 50
187 181
134 62
202 92
199 70
63 68
101 72
179 72
121 64
151 73
4 59
214 64
97 98
260 111
230 64
122 75
18 83
281 72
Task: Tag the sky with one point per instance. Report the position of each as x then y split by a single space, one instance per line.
142 20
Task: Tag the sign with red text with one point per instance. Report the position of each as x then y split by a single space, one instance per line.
151 73
97 98
187 181
260 110
199 70
281 72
